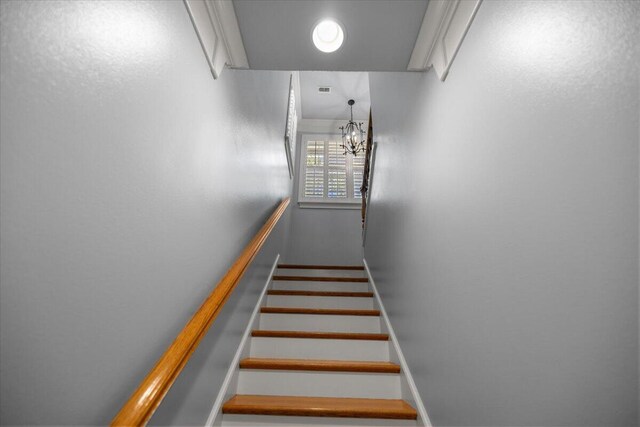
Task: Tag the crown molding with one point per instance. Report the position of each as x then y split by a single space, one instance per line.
444 26
216 26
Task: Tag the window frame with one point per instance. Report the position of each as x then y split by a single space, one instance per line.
325 202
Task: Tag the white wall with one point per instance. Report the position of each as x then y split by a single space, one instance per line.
503 231
130 180
191 397
322 236
325 236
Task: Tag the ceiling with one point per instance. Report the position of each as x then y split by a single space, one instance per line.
379 34
333 106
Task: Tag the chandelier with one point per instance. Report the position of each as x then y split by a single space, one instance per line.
353 141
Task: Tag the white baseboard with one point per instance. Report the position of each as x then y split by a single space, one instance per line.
215 414
422 412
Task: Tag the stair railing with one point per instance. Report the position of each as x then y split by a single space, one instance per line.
367 168
139 408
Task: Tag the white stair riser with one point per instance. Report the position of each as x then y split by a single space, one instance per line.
319 323
231 420
315 383
320 286
308 348
319 302
320 273
319 384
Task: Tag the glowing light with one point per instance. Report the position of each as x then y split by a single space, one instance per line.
328 36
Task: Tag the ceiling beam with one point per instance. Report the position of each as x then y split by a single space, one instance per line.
217 29
444 26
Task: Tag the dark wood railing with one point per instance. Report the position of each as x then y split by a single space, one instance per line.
144 401
367 168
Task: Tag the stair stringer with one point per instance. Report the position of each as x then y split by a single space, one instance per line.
230 382
408 387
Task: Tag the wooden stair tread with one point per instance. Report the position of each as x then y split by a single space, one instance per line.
320 365
323 311
320 293
321 279
321 267
319 407
320 335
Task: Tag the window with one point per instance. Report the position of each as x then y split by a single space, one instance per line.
328 177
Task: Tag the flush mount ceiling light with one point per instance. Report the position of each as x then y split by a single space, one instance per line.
328 36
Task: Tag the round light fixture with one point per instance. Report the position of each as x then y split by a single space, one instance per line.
328 36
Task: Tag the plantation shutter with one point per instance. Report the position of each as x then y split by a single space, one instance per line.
357 167
314 172
336 171
327 174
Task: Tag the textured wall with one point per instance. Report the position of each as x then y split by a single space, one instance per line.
504 225
130 180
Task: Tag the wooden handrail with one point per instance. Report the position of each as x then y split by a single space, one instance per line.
144 401
367 169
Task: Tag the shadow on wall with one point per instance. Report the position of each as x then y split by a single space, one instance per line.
325 236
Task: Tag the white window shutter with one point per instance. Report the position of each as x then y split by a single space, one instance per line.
327 174
357 168
337 188
314 171
336 171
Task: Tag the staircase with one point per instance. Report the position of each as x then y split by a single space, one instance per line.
317 352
